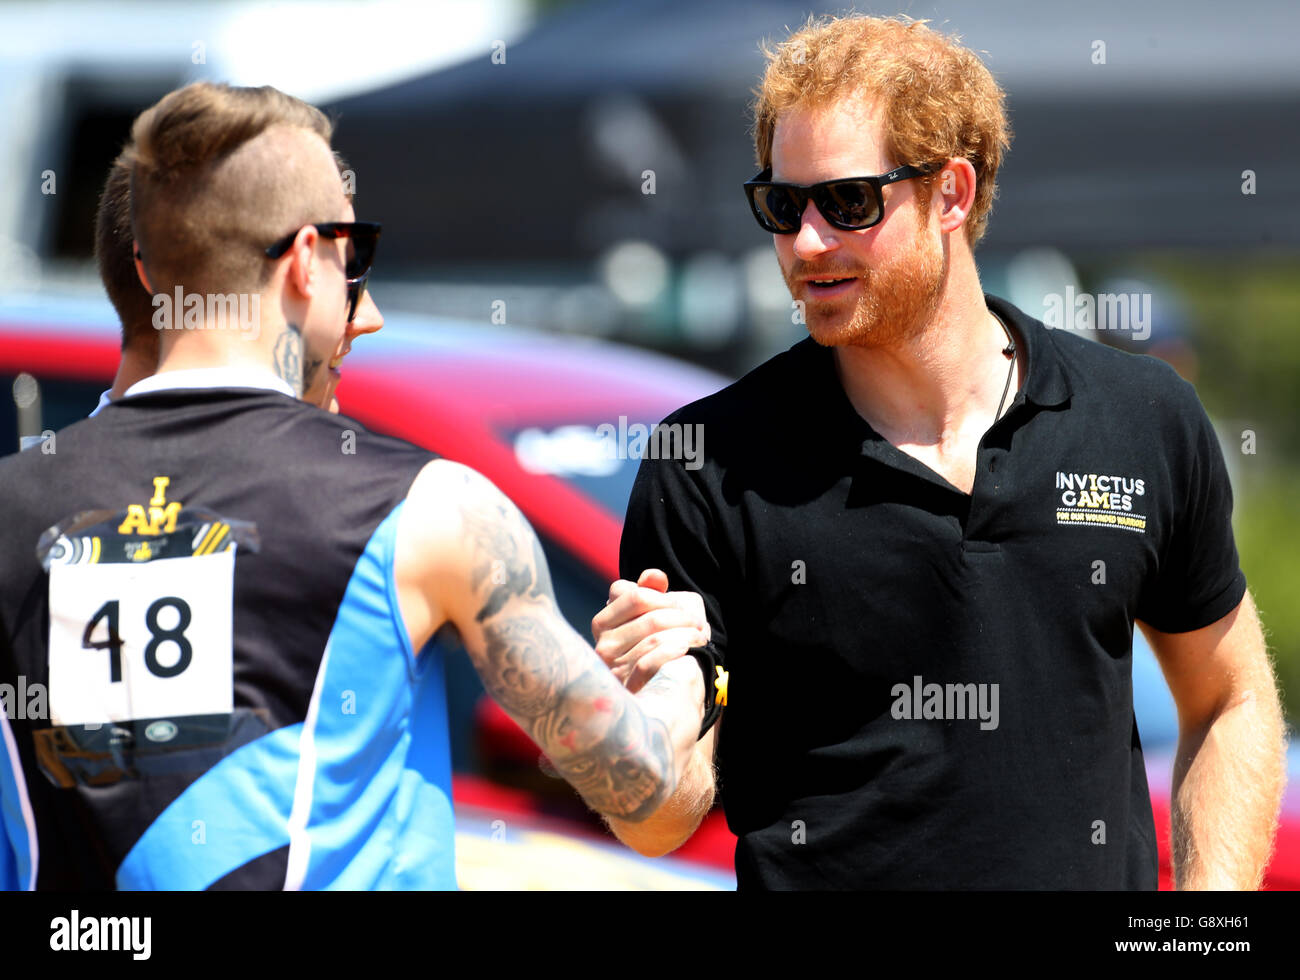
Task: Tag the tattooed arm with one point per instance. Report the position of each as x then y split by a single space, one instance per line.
672 824
624 632
467 557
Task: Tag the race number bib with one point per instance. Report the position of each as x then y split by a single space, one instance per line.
141 619
135 640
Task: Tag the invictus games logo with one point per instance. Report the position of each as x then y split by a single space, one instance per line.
158 517
1100 500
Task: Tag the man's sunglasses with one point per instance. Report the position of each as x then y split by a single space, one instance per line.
356 289
362 238
850 203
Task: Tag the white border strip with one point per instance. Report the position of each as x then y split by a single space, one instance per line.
20 780
299 839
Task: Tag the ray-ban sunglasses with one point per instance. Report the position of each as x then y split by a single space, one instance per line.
362 236
849 203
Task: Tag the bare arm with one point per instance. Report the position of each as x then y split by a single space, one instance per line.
672 825
468 557
1230 769
630 633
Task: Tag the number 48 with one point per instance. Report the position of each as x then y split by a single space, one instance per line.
157 636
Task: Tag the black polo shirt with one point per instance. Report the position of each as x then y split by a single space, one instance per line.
930 689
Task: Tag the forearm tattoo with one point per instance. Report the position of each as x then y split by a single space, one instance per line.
543 674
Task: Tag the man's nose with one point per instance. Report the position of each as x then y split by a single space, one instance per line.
815 236
368 318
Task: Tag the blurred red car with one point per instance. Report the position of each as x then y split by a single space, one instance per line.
524 409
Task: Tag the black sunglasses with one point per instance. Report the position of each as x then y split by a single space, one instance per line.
362 238
850 203
356 289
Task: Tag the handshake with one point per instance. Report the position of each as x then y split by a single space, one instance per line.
641 635
644 626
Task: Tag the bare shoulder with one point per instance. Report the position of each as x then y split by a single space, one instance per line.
432 562
446 499
442 483
460 535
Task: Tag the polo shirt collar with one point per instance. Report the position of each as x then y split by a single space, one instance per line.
104 402
1046 384
211 377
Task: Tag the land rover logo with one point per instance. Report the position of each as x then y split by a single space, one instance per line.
161 731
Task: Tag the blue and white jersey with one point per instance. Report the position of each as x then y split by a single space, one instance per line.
212 683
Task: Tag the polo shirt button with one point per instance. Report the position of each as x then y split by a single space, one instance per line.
993 463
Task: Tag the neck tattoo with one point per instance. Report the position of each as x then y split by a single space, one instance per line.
287 356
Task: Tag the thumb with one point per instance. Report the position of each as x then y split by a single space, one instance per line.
653 578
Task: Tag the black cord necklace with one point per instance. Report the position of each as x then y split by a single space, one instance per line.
1008 351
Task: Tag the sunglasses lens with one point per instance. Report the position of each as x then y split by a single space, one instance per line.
361 253
776 208
356 289
849 203
361 239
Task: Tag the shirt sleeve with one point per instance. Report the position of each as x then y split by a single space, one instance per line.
1199 579
671 526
